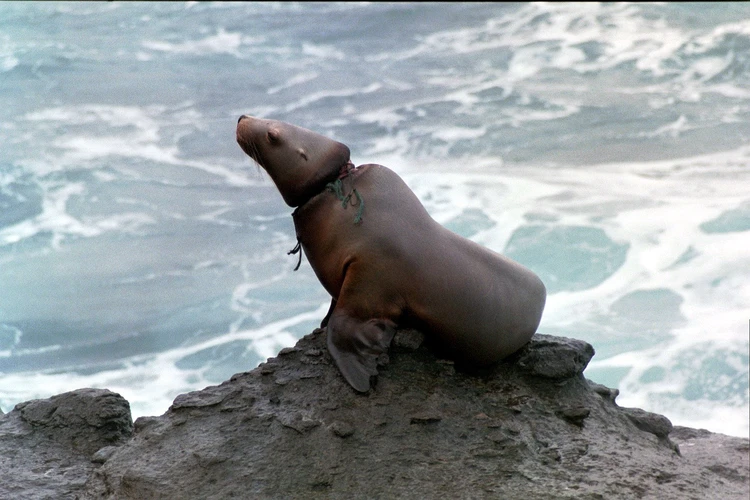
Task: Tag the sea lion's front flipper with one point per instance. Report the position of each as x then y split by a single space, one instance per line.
356 344
324 323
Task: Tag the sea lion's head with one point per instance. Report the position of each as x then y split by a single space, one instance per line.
299 161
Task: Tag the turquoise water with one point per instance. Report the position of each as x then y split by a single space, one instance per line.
605 146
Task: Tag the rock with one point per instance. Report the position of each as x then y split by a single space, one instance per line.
425 418
70 418
724 459
47 445
656 424
530 427
575 414
604 391
103 455
408 339
555 357
342 429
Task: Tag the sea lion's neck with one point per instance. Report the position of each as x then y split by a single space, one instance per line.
307 216
324 183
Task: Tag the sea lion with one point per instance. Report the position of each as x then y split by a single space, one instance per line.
386 262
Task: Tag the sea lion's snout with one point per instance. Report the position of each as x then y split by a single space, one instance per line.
243 127
245 136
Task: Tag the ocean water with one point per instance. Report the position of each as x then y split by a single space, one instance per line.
604 146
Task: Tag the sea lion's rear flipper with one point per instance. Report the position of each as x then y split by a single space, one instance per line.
356 344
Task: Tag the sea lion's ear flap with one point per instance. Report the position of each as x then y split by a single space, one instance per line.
356 345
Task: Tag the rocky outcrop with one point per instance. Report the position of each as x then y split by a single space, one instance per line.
530 427
48 447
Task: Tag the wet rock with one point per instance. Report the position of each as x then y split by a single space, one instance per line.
299 423
523 428
70 418
425 418
267 368
408 339
575 414
199 399
342 429
47 445
604 391
103 455
656 424
555 357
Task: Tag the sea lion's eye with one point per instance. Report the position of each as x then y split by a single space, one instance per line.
273 136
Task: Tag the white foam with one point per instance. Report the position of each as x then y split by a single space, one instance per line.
674 129
544 36
453 134
387 146
78 10
138 136
151 382
526 30
214 217
36 350
294 81
322 51
384 117
53 218
677 358
731 91
8 59
687 193
505 199
222 42
317 96
128 223
17 334
132 132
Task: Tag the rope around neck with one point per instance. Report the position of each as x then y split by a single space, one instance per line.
337 188
297 249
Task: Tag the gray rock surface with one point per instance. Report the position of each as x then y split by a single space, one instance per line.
531 427
46 444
